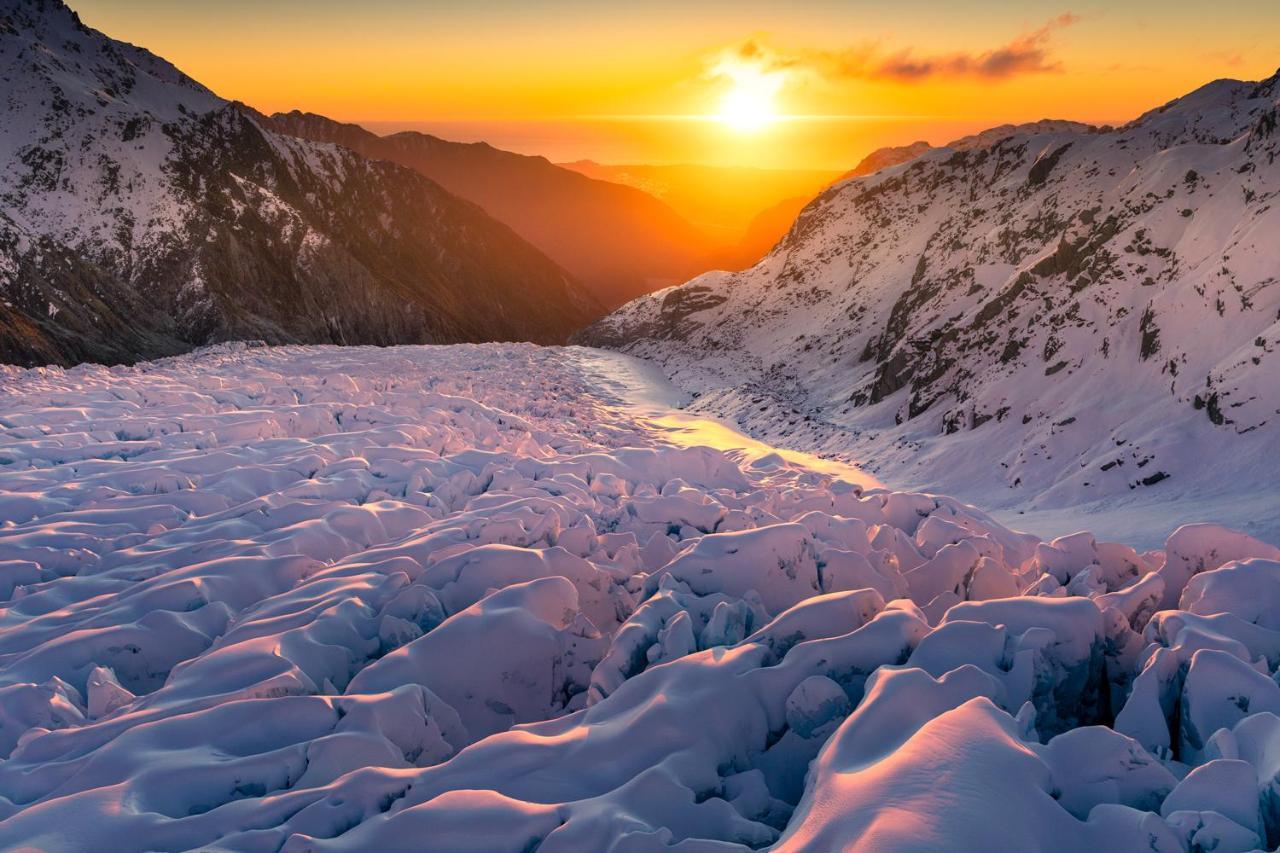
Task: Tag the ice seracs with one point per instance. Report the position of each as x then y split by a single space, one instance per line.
325 598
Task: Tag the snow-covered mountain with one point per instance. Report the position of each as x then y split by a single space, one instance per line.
769 226
1036 316
140 214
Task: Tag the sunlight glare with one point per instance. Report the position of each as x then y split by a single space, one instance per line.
748 105
747 108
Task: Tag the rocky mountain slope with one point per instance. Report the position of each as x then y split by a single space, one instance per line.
770 225
1040 316
140 215
618 240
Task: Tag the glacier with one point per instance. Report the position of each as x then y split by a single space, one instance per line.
505 597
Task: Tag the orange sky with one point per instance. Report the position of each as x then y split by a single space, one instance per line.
619 81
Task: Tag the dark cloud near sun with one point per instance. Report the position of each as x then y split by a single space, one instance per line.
1029 53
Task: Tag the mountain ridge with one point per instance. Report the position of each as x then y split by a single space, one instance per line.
616 239
772 224
990 298
141 215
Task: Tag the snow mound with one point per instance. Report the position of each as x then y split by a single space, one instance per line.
311 598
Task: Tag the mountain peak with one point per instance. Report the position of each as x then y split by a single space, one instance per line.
140 215
883 158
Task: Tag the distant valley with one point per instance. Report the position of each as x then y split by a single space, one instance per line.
142 215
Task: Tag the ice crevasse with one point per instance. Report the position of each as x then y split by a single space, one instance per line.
463 599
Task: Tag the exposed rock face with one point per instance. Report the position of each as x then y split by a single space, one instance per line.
1080 311
141 215
773 223
619 241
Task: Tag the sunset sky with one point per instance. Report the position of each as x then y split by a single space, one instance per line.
812 84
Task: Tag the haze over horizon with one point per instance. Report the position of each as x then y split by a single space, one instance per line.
815 87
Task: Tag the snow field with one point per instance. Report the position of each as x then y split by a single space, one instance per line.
467 599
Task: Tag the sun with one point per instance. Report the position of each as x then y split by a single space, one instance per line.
749 103
748 106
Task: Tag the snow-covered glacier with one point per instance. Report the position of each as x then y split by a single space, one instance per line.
478 598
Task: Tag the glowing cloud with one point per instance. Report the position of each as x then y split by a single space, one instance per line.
1026 54
756 70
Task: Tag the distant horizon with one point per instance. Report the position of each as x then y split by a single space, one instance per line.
606 140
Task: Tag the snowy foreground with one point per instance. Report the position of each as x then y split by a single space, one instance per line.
467 599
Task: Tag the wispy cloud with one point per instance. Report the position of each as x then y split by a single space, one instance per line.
1227 58
1029 53
1026 54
